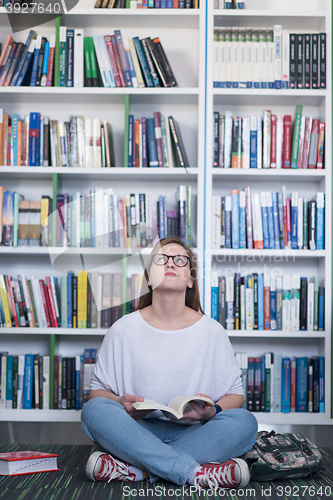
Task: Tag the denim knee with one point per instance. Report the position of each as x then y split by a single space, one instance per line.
95 406
245 422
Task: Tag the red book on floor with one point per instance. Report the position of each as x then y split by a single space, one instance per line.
27 462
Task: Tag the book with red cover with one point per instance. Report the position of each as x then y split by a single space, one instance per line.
287 141
321 142
273 141
113 61
118 61
51 303
27 462
41 286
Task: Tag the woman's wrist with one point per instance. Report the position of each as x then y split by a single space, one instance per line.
216 409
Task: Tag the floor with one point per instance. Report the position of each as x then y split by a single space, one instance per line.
70 483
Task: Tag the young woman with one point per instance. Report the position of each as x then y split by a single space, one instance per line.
167 348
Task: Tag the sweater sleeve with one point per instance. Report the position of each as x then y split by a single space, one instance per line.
228 375
106 367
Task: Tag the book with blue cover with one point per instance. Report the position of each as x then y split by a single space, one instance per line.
277 381
143 62
294 221
261 302
253 142
227 221
276 220
34 121
235 218
28 380
9 381
321 384
320 221
301 384
33 77
152 148
31 36
264 215
270 220
285 387
215 298
242 220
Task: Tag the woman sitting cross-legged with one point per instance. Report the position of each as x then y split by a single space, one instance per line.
167 348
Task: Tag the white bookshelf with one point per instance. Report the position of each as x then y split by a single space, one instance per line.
300 16
75 416
182 34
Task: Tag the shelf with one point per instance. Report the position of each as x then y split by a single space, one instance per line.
288 255
99 174
101 18
40 415
69 95
294 418
74 251
310 19
75 416
268 97
284 174
54 331
268 334
320 14
128 18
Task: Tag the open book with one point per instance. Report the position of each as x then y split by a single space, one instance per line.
176 407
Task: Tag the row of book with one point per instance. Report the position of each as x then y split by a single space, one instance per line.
87 142
268 220
85 300
25 381
100 219
98 61
268 141
272 383
146 4
155 142
276 383
268 58
38 140
267 302
230 4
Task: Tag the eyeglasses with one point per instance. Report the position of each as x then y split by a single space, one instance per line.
160 259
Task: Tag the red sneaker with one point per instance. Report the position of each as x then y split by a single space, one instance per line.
103 467
233 473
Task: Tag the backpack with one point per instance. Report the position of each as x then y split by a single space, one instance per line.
282 456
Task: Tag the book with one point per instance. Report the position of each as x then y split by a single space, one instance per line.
176 407
27 462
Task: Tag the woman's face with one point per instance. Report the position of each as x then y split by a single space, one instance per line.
169 276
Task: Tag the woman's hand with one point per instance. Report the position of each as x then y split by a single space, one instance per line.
199 412
127 399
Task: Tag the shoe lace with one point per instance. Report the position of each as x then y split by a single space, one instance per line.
113 469
215 477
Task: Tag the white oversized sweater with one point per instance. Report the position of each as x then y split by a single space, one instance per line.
142 360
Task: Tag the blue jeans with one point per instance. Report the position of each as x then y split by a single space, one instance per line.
164 449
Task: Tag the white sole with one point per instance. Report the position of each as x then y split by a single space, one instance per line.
244 472
90 467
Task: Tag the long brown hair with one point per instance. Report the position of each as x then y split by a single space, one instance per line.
192 296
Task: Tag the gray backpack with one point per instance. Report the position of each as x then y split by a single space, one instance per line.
282 456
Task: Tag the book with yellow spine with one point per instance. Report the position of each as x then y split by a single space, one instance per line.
82 299
3 293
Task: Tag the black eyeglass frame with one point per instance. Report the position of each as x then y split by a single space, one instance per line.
172 257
